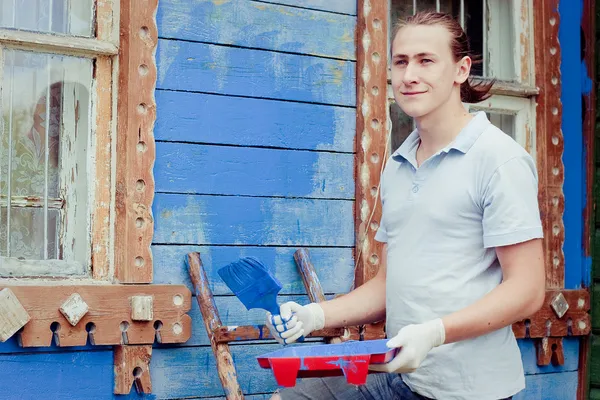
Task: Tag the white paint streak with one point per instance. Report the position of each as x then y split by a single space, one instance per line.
166 55
220 64
328 176
366 8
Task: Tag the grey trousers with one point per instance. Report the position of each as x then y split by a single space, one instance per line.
378 387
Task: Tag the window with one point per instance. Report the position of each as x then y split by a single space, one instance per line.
54 60
500 33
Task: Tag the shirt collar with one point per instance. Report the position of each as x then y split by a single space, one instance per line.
463 142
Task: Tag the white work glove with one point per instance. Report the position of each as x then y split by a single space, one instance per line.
295 321
414 343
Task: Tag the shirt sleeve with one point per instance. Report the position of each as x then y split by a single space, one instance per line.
510 204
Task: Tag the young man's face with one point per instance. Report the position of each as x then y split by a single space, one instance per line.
424 73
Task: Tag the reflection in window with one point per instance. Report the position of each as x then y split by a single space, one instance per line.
44 130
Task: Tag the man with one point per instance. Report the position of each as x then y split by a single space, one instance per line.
463 232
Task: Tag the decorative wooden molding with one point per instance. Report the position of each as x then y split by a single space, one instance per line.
549 138
550 350
371 133
135 142
132 366
12 314
108 319
545 323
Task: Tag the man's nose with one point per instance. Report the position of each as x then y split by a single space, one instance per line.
410 73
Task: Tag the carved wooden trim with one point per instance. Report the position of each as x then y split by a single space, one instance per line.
108 320
545 323
371 133
549 138
135 142
132 366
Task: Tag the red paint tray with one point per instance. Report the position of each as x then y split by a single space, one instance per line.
350 359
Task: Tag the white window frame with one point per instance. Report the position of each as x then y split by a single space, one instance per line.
104 45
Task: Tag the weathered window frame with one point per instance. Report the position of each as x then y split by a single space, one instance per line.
103 48
127 310
123 50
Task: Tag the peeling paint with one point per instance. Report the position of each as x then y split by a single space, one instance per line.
166 57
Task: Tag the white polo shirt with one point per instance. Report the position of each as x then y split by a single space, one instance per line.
441 222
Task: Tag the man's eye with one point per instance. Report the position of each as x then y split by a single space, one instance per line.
400 62
426 60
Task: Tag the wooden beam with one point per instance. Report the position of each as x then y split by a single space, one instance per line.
549 138
371 133
212 323
132 367
588 25
108 318
56 44
135 142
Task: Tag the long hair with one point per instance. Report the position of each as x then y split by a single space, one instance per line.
459 45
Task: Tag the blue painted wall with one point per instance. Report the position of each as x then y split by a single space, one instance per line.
255 131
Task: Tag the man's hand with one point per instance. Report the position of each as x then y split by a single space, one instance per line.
414 343
295 321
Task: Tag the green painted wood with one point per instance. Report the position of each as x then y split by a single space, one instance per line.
595 360
259 26
595 306
594 394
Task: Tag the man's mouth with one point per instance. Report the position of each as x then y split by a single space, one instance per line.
411 93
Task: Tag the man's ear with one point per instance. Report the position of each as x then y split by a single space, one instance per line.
463 69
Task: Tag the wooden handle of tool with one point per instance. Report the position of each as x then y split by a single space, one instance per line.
311 282
212 322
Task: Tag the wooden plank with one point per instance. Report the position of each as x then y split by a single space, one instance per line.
186 219
200 67
594 370
372 133
335 266
132 368
108 321
102 246
211 321
190 371
198 118
258 25
135 148
561 386
229 170
549 139
56 44
338 6
65 375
